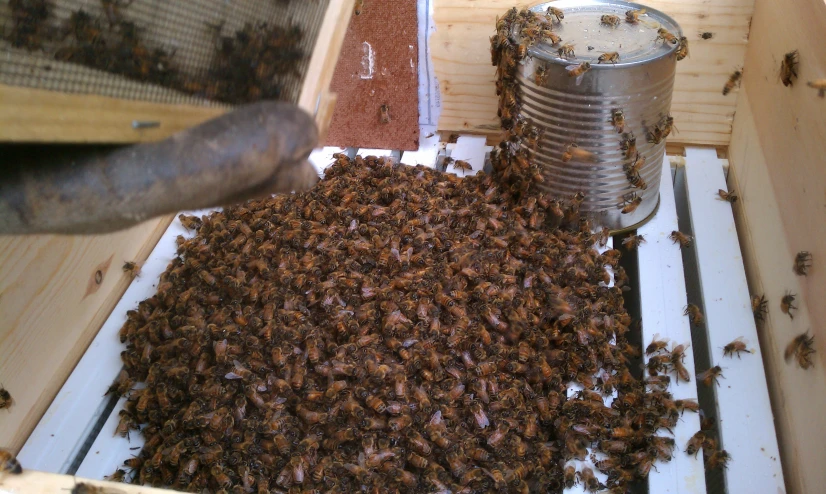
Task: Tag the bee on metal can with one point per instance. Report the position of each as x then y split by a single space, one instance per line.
787 304
618 120
578 71
8 463
788 68
733 80
550 36
694 314
633 241
802 263
682 48
629 145
711 376
357 8
680 238
573 151
566 51
727 196
759 306
801 348
540 74
737 346
820 85
384 114
636 180
611 56
630 203
633 16
610 20
131 268
554 13
666 36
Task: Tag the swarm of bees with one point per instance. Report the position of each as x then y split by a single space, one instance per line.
801 348
395 328
661 361
29 23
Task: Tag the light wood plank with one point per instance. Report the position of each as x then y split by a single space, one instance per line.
460 50
33 482
798 396
52 308
662 299
791 129
742 397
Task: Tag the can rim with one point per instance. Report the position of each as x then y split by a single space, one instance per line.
543 54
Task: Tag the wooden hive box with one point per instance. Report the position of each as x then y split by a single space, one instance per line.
771 135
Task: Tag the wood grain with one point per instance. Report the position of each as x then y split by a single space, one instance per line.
461 57
52 306
768 243
31 482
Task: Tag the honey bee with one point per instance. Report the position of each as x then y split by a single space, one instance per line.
727 196
132 268
462 165
618 120
759 306
610 20
357 8
684 405
633 16
573 151
8 463
695 316
695 444
667 125
680 238
802 348
555 13
787 304
633 241
569 477
551 36
820 85
711 376
578 71
666 36
682 48
6 400
655 345
118 476
718 459
566 51
540 74
611 56
802 263
384 114
636 180
733 80
737 346
788 68
629 145
630 204
706 35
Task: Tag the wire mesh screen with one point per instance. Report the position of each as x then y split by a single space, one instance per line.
166 51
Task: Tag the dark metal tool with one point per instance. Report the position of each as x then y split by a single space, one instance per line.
253 151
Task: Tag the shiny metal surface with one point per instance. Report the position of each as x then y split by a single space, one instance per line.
572 111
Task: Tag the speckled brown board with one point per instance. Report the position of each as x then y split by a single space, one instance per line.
387 30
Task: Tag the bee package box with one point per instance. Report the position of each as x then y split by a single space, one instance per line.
114 71
774 147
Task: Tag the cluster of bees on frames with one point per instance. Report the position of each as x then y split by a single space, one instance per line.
394 328
244 69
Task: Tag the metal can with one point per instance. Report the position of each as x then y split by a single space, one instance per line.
632 58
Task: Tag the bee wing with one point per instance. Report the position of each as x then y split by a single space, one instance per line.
579 79
572 67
